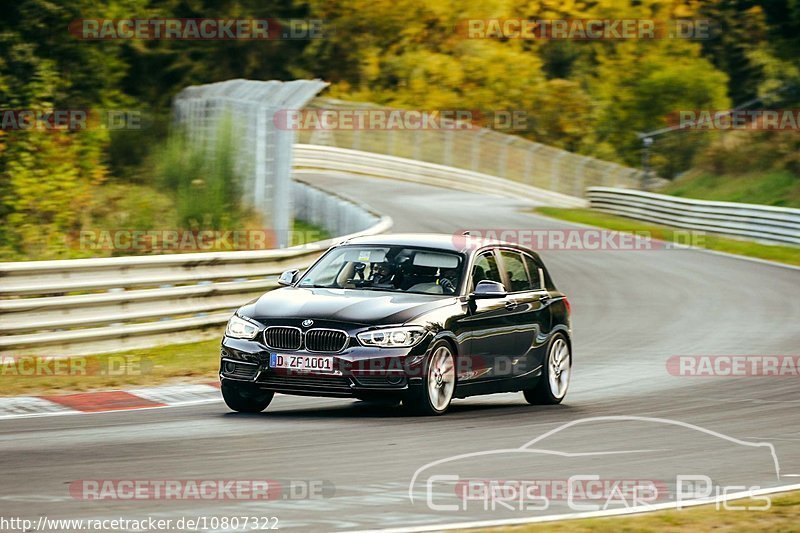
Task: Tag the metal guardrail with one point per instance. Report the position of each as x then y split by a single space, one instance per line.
83 306
337 215
480 150
760 222
310 157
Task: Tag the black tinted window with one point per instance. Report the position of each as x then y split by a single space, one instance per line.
533 268
515 270
485 269
387 268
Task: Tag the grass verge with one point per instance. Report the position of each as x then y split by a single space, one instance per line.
195 362
784 515
303 232
780 253
778 188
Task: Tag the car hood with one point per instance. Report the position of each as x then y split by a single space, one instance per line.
342 305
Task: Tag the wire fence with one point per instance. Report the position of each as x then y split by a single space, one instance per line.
477 149
246 109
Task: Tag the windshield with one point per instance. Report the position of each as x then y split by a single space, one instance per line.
387 268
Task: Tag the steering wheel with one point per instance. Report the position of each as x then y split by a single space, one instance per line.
447 285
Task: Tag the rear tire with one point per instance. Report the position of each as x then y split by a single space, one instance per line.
551 388
245 398
433 397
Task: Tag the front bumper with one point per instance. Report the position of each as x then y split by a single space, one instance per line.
358 371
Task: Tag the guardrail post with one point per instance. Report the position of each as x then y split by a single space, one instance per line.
504 157
475 156
528 165
554 171
390 141
578 188
447 158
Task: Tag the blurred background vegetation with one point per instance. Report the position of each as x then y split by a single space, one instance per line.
587 97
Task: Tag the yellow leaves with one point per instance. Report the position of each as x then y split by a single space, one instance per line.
50 179
370 64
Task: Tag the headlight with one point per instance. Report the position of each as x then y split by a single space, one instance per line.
238 328
392 337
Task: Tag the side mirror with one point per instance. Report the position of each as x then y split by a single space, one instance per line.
288 277
488 289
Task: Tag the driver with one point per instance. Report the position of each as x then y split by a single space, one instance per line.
383 274
445 280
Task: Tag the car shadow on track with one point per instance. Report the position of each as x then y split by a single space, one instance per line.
371 410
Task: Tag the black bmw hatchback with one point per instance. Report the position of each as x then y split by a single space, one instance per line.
419 319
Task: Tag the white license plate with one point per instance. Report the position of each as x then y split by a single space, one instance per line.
302 363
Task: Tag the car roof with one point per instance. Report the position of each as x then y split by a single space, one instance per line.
442 241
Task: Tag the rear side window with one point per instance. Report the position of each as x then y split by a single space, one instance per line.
485 269
515 271
533 268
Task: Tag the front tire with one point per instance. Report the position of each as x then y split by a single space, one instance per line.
433 397
244 398
551 388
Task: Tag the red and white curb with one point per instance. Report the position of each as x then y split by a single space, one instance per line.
105 401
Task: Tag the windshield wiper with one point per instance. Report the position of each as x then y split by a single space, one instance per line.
385 289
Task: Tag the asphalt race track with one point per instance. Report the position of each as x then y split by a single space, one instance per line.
632 311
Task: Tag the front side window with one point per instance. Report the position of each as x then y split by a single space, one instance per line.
387 268
485 268
515 271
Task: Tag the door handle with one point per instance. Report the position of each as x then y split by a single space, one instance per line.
511 304
544 298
